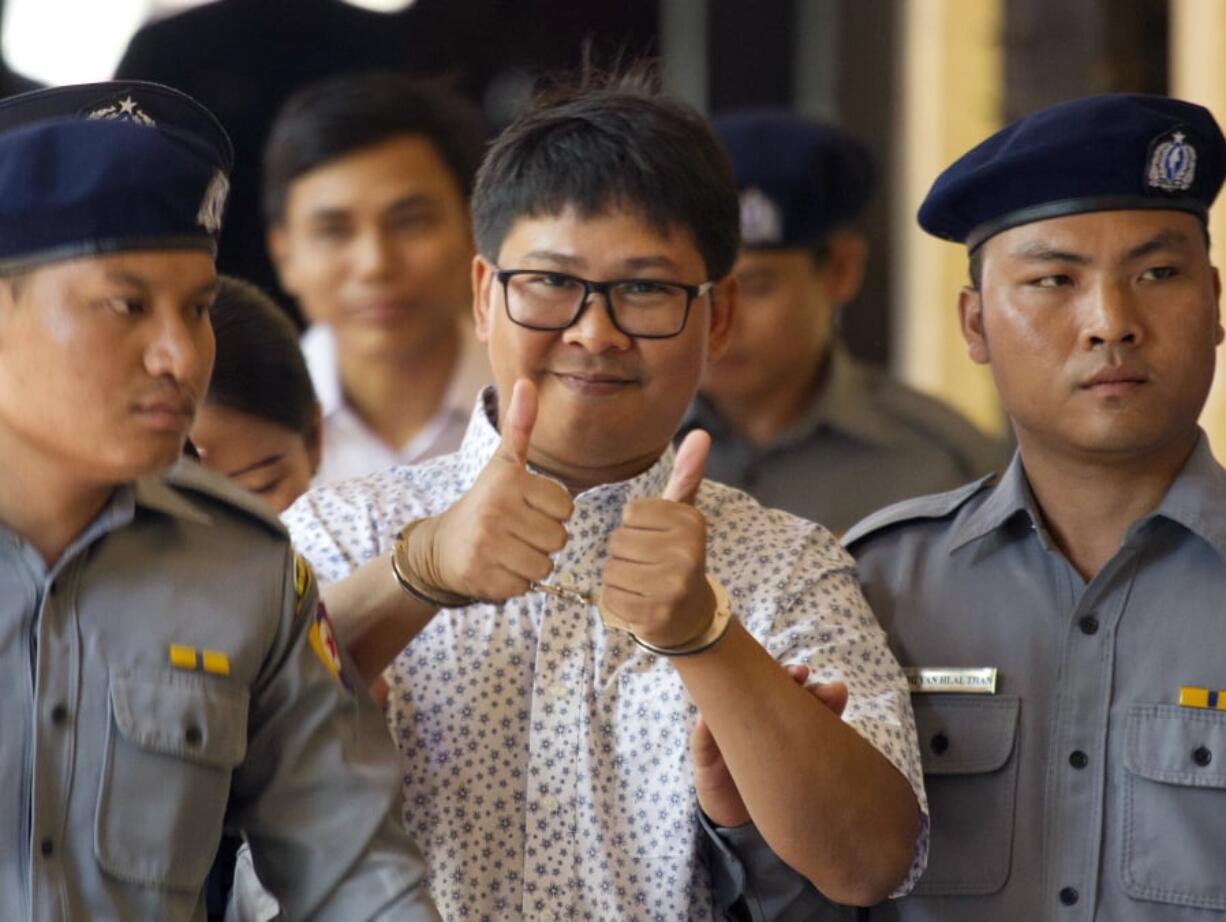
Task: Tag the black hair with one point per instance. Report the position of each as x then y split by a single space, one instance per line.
611 141
259 368
332 118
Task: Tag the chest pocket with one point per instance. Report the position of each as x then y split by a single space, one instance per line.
1175 806
967 747
172 742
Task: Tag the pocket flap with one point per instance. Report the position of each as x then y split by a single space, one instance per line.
190 717
1177 745
963 735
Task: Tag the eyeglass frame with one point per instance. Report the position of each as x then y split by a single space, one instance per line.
692 292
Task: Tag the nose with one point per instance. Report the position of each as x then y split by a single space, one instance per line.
1112 318
594 329
372 254
181 349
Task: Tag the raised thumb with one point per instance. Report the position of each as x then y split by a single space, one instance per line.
688 467
516 421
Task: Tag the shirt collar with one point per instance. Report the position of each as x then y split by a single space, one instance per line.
1196 500
319 349
482 440
156 494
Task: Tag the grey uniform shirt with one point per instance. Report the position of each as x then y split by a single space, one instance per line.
170 674
1081 790
866 441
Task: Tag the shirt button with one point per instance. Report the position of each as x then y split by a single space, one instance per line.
1078 759
546 915
47 847
59 714
193 736
1202 756
550 804
939 743
1089 625
1069 896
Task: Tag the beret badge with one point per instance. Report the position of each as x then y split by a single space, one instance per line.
1172 164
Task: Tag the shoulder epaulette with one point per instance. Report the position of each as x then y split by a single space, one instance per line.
195 478
934 506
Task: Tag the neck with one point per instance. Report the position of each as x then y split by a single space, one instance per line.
1088 504
761 417
44 505
577 478
396 396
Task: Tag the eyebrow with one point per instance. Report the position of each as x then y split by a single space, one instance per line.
1043 253
633 264
1163 240
263 462
123 277
412 201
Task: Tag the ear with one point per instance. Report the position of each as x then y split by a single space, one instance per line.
970 319
725 297
483 297
843 267
315 440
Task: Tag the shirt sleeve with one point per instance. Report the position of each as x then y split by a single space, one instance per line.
317 795
822 620
752 883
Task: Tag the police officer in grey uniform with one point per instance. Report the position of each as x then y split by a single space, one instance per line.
795 420
169 670
1064 626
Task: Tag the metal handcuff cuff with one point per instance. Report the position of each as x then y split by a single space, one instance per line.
714 633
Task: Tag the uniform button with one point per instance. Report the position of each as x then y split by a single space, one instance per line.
193 736
1078 759
1202 756
1069 896
47 847
1089 625
939 743
59 714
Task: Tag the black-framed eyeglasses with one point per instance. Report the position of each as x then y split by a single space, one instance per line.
642 308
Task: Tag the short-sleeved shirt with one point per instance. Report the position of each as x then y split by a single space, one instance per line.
546 758
350 449
172 674
865 441
1081 790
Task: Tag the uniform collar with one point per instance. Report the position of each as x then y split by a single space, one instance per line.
482 440
1195 500
156 494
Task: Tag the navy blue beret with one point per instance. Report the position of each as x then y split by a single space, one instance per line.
799 178
104 167
1099 153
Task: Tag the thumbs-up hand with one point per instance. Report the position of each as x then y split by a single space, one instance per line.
497 538
655 578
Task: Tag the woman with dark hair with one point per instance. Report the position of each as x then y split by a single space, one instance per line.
260 422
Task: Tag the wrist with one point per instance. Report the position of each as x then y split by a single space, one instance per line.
409 552
711 635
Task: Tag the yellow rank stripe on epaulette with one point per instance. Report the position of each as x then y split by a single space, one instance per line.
302 577
187 658
1192 697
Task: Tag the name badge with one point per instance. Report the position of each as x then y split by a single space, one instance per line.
929 679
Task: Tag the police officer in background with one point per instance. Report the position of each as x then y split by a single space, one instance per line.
1064 625
168 668
795 419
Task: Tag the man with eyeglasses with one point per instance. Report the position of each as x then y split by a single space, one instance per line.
575 591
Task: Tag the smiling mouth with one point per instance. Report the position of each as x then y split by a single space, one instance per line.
593 383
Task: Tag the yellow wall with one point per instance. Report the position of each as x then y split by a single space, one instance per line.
952 76
1198 50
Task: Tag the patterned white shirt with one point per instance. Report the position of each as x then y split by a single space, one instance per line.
547 770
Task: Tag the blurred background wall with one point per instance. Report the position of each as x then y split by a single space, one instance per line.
919 81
